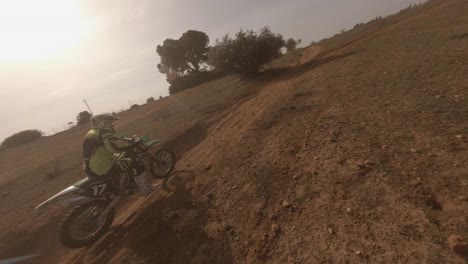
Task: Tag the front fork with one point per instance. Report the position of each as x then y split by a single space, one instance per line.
112 204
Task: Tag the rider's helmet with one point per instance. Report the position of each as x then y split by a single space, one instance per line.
104 121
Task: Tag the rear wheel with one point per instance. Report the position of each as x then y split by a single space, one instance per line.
83 225
162 163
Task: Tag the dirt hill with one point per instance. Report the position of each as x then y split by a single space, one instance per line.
352 151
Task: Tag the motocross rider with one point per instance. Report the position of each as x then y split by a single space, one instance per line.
101 148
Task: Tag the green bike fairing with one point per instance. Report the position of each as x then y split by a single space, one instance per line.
148 142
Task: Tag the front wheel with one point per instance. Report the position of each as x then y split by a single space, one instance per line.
162 163
83 225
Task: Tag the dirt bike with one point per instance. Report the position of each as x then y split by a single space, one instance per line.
93 201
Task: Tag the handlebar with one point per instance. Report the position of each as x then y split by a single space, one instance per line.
137 144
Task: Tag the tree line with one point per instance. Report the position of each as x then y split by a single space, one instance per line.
190 60
31 135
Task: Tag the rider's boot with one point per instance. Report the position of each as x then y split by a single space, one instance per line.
144 186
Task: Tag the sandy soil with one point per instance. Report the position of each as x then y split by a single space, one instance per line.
358 154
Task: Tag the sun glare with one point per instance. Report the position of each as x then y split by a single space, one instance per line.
33 30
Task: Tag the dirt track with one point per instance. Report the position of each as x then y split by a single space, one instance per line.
356 154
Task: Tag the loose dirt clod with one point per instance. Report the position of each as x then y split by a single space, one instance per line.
286 204
272 216
275 229
173 215
415 182
457 245
227 227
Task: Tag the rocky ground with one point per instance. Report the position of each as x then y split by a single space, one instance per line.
356 154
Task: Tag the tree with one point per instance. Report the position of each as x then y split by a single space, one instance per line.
247 52
195 46
221 55
83 118
149 100
184 55
291 44
21 138
172 56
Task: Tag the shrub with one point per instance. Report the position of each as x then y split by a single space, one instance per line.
221 55
247 52
83 118
291 44
21 138
149 100
189 81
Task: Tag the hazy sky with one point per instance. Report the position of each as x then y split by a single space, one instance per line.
54 53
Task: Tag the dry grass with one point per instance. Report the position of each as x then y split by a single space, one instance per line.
36 171
399 82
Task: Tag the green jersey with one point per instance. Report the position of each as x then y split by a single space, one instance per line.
100 150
